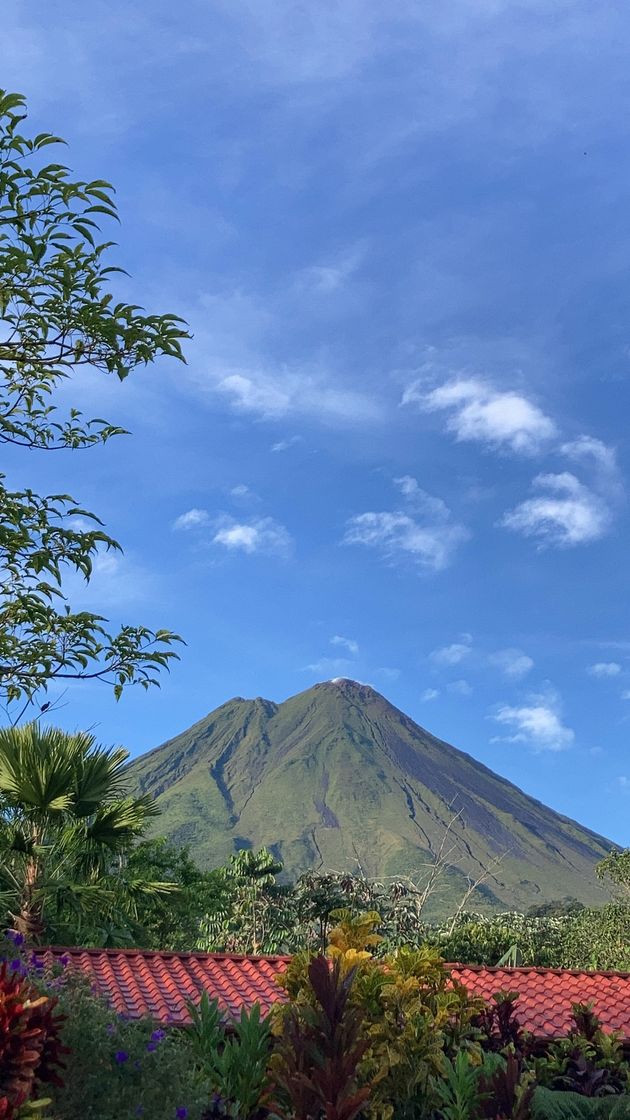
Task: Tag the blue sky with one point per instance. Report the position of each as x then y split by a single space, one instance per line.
398 451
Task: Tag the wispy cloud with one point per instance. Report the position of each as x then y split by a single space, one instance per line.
587 449
285 444
512 662
347 643
259 535
274 394
625 695
454 653
478 412
329 277
429 694
537 723
118 582
192 519
242 492
604 669
331 667
386 673
429 538
240 357
460 688
567 513
407 485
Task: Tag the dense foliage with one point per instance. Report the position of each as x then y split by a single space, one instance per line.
31 1051
383 1037
67 825
58 319
248 910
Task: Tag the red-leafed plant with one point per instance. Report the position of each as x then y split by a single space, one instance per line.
30 1047
500 1027
318 1052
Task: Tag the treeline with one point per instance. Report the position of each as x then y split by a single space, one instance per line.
76 868
252 912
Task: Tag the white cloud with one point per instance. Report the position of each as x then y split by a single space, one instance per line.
454 653
260 535
566 514
537 723
330 277
241 491
429 694
285 444
480 413
460 688
625 695
328 667
118 583
387 673
272 394
429 538
192 519
347 643
587 449
603 669
407 485
240 356
512 662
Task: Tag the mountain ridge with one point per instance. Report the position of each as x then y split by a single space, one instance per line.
337 777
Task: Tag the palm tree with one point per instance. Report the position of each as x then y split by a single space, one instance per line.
67 824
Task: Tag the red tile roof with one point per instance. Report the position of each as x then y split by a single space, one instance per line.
546 995
142 983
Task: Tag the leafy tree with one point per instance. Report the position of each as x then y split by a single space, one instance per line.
66 824
616 868
257 914
172 921
58 319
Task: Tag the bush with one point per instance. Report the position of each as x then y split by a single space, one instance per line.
121 1068
411 1014
31 1053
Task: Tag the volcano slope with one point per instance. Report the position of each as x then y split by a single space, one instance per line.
337 778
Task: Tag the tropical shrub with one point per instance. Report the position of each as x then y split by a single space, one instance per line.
315 1067
550 1105
589 1061
31 1051
120 1068
499 1027
412 1013
233 1066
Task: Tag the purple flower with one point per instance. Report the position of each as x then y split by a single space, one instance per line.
18 966
158 1035
181 1113
15 937
151 1046
64 960
121 1056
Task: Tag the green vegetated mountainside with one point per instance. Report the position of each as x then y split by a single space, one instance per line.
337 778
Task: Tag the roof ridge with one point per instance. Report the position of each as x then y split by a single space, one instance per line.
164 953
201 954
541 969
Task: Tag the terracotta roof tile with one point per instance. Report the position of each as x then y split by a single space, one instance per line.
159 985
